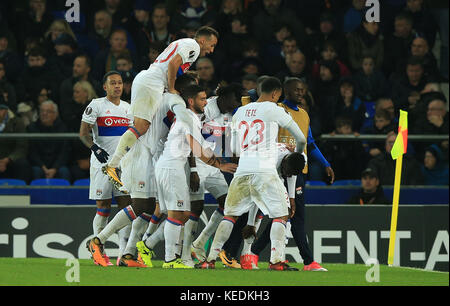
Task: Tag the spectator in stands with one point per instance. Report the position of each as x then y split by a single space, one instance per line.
272 49
49 158
139 25
265 19
58 27
125 64
370 82
327 34
98 38
154 49
384 165
347 158
435 169
354 16
383 123
38 73
66 52
423 20
71 114
329 53
193 11
207 76
249 82
406 87
12 62
80 72
365 40
371 191
160 30
278 63
118 9
325 92
349 105
229 11
106 60
296 67
13 152
34 22
7 90
421 50
398 42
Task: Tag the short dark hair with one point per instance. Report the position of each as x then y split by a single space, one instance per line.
271 84
206 31
191 92
414 61
86 58
295 162
37 51
112 72
183 81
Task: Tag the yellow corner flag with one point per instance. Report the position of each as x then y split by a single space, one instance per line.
399 148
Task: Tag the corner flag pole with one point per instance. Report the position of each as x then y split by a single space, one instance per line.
399 148
395 201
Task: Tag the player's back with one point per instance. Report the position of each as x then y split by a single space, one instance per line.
255 131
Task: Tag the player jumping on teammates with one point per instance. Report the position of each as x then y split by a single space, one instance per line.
149 85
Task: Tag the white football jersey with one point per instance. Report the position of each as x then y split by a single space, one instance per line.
255 135
187 48
215 125
176 148
109 122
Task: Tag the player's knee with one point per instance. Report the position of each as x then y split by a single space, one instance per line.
104 203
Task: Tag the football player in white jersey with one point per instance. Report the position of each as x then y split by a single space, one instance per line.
171 174
108 118
139 177
138 173
149 85
254 139
218 114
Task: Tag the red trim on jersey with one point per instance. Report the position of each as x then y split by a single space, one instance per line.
112 121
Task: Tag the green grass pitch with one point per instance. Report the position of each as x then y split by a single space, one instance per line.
52 272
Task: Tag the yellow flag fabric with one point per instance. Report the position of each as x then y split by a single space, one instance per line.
401 142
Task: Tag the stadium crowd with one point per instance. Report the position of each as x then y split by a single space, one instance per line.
357 74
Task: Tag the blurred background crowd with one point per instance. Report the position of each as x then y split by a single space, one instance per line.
356 74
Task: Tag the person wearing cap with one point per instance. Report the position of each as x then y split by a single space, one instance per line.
371 191
434 168
13 152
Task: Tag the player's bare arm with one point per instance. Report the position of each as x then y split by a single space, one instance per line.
174 65
194 181
208 157
85 134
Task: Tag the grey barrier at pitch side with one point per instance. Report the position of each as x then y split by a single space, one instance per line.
337 234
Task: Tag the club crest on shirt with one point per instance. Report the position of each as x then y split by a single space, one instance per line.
180 203
141 184
299 190
99 192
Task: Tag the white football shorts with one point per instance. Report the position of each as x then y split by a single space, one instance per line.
138 172
100 188
173 190
267 191
211 179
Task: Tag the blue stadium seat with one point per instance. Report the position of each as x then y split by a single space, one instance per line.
82 182
50 182
315 183
347 183
12 182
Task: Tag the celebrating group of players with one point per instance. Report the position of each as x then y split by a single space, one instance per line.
166 149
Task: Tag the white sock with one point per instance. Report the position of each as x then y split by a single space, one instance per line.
127 140
172 231
209 229
138 228
124 235
156 237
100 220
277 240
222 234
190 227
123 218
152 226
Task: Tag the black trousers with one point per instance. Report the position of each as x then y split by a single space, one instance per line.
297 228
